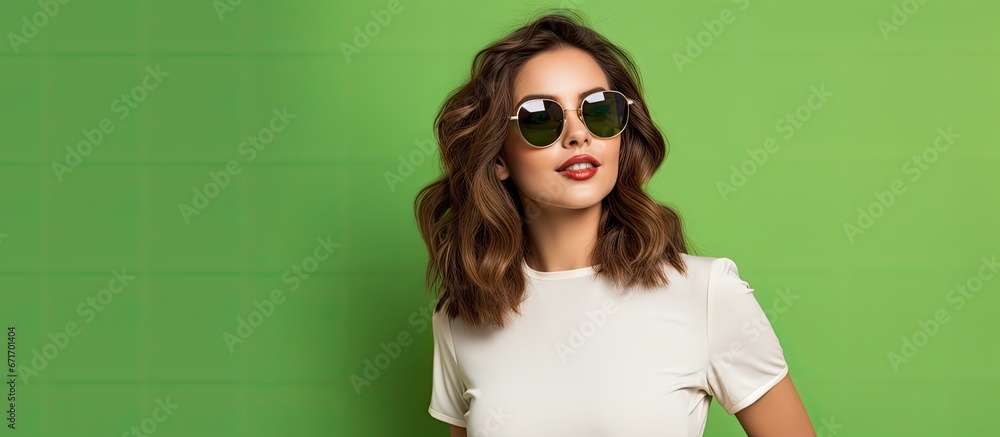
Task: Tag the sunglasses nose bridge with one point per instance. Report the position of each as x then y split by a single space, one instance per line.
578 112
579 115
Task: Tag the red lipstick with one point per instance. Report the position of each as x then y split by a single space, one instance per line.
581 172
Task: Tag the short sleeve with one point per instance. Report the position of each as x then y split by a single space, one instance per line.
448 401
745 358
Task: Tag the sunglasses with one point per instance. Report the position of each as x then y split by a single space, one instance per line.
541 121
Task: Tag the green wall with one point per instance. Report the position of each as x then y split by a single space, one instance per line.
209 205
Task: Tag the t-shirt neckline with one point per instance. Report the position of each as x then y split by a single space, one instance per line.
561 274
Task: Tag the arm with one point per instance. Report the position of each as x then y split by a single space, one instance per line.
457 431
778 413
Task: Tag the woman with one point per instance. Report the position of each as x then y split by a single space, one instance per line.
568 302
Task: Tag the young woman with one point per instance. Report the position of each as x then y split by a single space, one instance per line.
568 303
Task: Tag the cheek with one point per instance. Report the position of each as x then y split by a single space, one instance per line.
518 160
522 159
528 166
611 154
513 137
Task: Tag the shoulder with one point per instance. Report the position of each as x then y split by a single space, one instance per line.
705 266
701 271
697 263
706 262
441 325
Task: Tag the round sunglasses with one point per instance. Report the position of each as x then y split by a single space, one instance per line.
541 121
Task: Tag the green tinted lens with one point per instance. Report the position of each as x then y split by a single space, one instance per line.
540 122
605 113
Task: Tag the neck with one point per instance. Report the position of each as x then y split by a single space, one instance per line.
562 238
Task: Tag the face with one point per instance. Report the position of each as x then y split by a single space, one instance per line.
567 76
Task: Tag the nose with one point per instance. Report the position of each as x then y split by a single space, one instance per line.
577 133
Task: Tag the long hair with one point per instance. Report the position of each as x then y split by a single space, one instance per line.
473 223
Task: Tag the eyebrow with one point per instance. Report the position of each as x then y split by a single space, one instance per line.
549 96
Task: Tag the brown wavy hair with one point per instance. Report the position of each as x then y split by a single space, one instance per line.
473 223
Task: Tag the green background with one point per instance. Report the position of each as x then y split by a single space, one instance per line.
358 118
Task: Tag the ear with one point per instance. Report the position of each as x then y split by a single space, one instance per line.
501 166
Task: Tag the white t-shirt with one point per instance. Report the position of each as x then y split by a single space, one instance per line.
587 360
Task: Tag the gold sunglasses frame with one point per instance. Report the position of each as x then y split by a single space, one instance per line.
579 114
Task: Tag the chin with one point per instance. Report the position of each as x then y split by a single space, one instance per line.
580 202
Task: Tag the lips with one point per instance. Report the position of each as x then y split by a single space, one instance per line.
577 160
